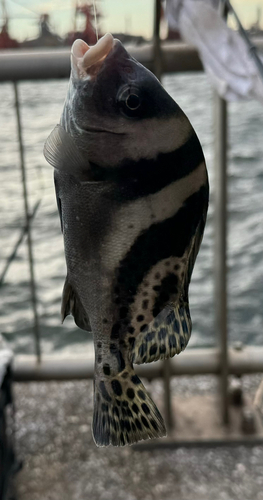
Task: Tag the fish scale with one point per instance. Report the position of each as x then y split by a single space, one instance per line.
132 194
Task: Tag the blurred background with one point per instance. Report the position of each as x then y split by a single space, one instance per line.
56 24
53 419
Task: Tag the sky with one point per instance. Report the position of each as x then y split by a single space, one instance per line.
135 16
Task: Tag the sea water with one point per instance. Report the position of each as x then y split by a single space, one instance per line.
41 106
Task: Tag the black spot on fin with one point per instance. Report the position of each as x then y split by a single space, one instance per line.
168 334
63 154
72 305
124 412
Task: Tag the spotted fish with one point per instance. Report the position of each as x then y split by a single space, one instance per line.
132 193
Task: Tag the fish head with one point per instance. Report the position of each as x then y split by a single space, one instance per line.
116 109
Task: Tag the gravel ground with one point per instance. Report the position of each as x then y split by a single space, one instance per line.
61 462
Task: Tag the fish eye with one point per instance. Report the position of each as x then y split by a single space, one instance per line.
129 101
133 101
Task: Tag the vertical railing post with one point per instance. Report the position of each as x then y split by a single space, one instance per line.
158 72
156 40
221 134
221 245
28 227
168 411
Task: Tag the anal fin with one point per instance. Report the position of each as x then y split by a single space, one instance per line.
168 334
72 305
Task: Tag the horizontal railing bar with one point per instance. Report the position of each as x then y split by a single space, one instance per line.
46 64
191 362
170 444
55 63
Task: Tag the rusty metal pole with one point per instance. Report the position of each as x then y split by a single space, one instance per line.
28 228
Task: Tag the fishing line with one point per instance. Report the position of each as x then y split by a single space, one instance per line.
95 18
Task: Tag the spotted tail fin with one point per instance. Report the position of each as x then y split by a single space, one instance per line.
166 336
124 412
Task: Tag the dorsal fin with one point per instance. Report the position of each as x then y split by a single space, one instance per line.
63 154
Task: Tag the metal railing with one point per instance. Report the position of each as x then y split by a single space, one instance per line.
161 58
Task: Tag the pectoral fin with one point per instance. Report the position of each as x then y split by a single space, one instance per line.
166 336
63 154
72 305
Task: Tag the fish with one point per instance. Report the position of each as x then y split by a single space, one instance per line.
132 193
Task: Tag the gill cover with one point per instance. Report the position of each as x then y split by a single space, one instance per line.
62 153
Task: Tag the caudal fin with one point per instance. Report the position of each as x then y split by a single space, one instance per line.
124 412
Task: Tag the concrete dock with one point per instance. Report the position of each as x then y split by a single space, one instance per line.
61 461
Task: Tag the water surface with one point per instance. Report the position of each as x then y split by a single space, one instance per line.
41 105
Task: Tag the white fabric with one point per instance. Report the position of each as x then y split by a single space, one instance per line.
224 54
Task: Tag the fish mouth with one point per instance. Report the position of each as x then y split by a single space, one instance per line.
97 130
84 57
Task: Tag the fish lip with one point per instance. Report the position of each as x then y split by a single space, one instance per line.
86 60
98 52
95 130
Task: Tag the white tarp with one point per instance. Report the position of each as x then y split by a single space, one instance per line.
224 53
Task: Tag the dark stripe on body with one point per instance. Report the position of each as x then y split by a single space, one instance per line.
97 202
168 238
145 177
